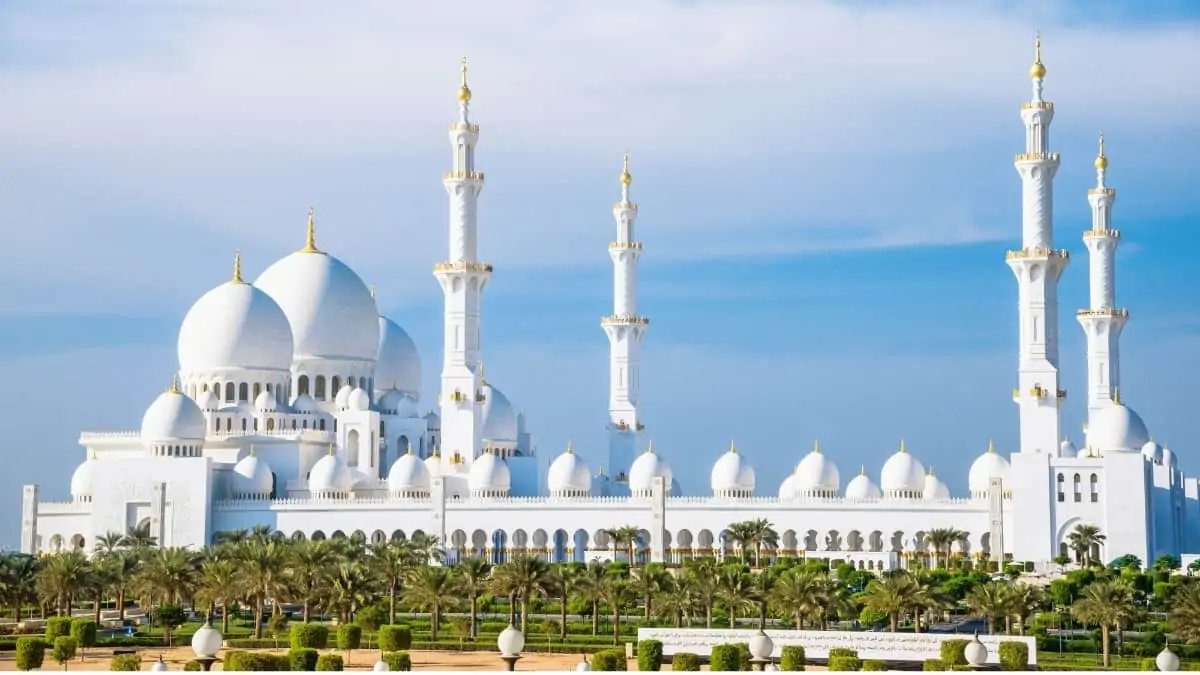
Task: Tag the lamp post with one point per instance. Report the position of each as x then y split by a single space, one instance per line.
381 666
510 642
206 642
159 665
583 666
761 647
1167 660
976 652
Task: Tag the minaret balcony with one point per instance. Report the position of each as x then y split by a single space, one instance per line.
1025 253
464 126
480 397
1038 392
463 175
625 206
462 266
1037 105
625 320
1104 191
457 397
618 245
1102 234
1037 157
1111 312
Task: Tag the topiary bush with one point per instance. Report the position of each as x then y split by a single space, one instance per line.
792 658
371 618
193 666
63 649
349 636
57 626
1148 665
843 651
954 653
309 636
726 658
874 664
302 659
329 662
84 632
126 662
256 661
1014 655
31 652
395 638
398 661
685 661
609 660
844 663
933 665
743 654
649 655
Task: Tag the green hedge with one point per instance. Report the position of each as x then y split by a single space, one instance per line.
349 636
396 637
398 661
329 662
725 658
609 660
309 636
255 661
932 665
125 662
1014 655
84 632
844 663
193 666
57 626
64 649
874 664
685 661
649 655
954 653
302 659
843 651
31 652
792 658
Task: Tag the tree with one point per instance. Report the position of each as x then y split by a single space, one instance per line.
431 589
263 565
308 569
219 584
63 576
1082 540
1185 612
991 601
798 593
590 585
889 595
169 617
473 576
734 592
391 562
647 582
625 536
523 578
1107 604
561 581
700 576
617 594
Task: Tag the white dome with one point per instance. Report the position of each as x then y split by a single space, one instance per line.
358 400
861 487
265 402
235 326
396 402
304 404
648 466
902 473
330 474
397 362
816 474
1117 428
1168 458
1067 449
330 309
408 474
499 417
569 474
934 489
987 466
787 489
173 417
489 475
434 464
731 473
252 477
342 397
1153 452
83 481
208 401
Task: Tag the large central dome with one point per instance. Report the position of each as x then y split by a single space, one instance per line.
330 309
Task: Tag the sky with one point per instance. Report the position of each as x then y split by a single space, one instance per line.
826 194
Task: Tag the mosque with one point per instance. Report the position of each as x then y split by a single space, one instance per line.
297 406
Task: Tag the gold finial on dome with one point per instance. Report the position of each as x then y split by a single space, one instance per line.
1116 395
862 469
91 454
237 267
251 449
992 447
1101 158
331 449
464 92
626 177
570 450
1037 71
310 242
374 292
410 448
903 448
482 376
174 388
931 471
650 448
817 446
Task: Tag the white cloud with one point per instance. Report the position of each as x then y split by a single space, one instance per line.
143 144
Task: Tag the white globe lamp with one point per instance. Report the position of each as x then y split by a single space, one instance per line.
510 642
159 665
761 647
207 642
381 666
583 666
1167 660
976 652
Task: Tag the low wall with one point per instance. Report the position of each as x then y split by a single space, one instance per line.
817 643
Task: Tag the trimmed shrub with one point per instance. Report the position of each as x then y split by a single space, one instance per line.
84 632
609 660
743 649
309 636
57 626
726 658
843 651
844 663
685 661
398 661
63 649
1148 665
792 658
395 638
371 618
954 653
31 652
329 662
277 625
255 661
193 666
1014 655
349 636
302 659
933 665
649 655
874 664
126 662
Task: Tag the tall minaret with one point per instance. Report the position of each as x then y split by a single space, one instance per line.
1102 321
462 279
625 329
1038 267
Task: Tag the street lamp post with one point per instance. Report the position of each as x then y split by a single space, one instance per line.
1167 660
761 647
381 666
583 666
159 665
510 642
976 652
206 642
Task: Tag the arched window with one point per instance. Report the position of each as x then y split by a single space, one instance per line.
319 388
322 425
257 390
350 381
294 424
243 424
270 424
256 424
1094 487
243 392
382 429
228 424
335 384
302 385
1078 488
204 387
1062 497
352 448
229 392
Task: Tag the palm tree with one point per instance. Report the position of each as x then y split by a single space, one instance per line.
1024 600
524 578
308 568
431 589
626 536
889 595
798 593
18 580
561 579
761 587
64 576
924 597
646 582
169 573
942 539
700 576
741 534
263 565
733 590
1107 604
473 580
762 535
138 538
349 589
220 584
1185 612
992 601
391 562
617 594
426 549
1082 540
590 586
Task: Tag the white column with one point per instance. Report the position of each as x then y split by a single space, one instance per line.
462 279
29 523
1102 321
625 329
1038 267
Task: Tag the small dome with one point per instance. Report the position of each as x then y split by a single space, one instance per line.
304 404
902 475
934 489
265 402
732 475
396 402
330 474
569 475
83 481
1152 452
397 363
232 327
173 417
434 464
1117 428
208 401
816 474
359 400
489 476
499 417
252 477
648 466
987 466
787 489
861 487
1067 449
408 474
1168 458
341 400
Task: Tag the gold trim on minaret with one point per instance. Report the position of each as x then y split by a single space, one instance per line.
310 242
174 388
1038 70
1101 158
464 92
626 177
237 267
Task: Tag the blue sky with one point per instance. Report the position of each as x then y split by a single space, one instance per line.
826 191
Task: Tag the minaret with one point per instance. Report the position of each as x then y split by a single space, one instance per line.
462 279
1038 266
1102 321
625 329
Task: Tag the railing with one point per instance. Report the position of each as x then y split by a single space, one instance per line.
1102 191
1037 105
463 175
460 126
1115 234
625 244
462 266
1036 253
624 319
1103 312
1037 156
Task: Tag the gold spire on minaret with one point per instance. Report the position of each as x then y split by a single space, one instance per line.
570 450
482 376
464 92
237 267
1037 71
251 449
310 243
626 177
1101 158
174 388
